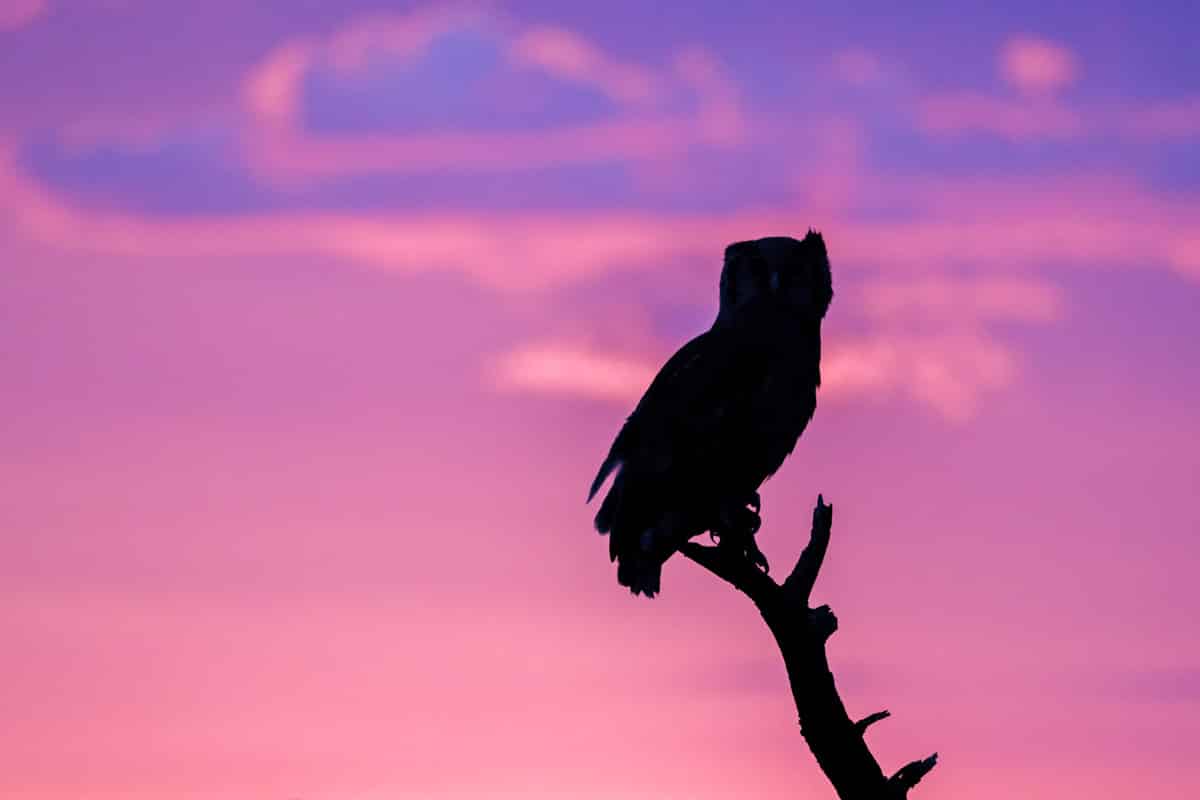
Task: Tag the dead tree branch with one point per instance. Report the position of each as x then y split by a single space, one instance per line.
801 632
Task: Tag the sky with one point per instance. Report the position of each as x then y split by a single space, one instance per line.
316 320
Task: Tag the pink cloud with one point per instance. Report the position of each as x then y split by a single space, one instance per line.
271 91
1176 119
566 54
559 368
945 372
279 148
287 155
1034 65
929 346
962 299
1185 256
965 112
351 46
1002 241
1038 70
858 67
517 252
836 181
719 119
1097 194
536 250
1043 117
15 14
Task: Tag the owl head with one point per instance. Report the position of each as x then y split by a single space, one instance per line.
792 274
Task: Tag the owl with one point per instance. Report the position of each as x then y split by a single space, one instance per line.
721 415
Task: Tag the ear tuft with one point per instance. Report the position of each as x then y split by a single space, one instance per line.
815 244
814 240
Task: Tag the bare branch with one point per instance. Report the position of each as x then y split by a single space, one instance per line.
910 774
804 575
822 622
869 720
801 633
738 572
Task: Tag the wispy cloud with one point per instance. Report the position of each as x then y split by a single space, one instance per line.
858 66
963 299
533 250
936 260
926 342
568 55
1166 119
646 120
1018 119
570 369
1038 71
1040 117
1038 66
946 372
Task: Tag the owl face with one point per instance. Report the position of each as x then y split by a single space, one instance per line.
793 275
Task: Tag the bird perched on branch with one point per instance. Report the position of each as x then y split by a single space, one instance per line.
721 415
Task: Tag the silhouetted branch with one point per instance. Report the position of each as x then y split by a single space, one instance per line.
911 773
804 574
739 572
869 720
801 633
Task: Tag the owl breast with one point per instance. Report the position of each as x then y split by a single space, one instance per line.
781 408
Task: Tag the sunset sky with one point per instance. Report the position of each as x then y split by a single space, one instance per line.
317 318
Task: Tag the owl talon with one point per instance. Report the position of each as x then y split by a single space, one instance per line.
735 531
742 544
758 559
739 519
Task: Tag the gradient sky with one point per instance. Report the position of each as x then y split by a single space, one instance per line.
317 318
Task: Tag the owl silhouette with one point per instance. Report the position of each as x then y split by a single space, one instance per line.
722 414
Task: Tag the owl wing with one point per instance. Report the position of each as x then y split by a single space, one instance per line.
679 418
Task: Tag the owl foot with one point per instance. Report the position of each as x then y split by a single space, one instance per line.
736 522
742 544
742 516
736 530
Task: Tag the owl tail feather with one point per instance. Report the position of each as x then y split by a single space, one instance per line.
606 517
611 463
633 546
641 573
